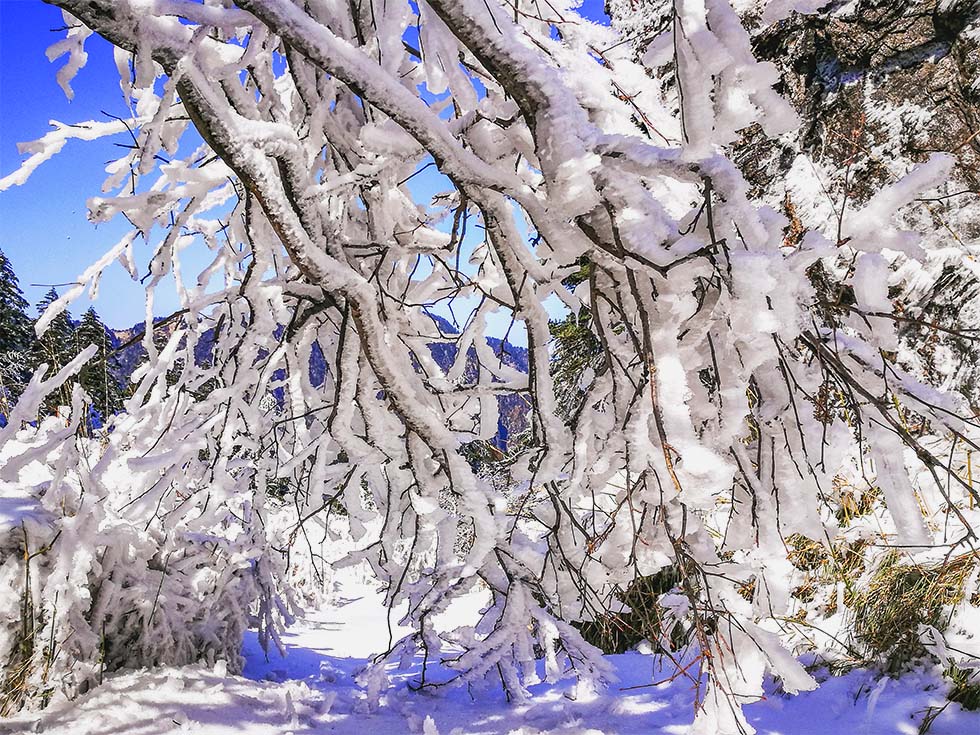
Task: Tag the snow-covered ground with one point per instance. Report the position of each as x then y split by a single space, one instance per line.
313 690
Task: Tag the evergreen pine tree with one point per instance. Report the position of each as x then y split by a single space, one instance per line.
16 336
55 348
97 376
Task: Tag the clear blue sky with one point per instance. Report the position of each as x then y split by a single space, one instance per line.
43 225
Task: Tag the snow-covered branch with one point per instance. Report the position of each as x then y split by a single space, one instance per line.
716 408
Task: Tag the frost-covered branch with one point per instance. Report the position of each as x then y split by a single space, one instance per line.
719 407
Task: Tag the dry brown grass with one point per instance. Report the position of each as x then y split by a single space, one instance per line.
899 598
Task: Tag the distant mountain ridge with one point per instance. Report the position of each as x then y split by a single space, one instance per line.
513 408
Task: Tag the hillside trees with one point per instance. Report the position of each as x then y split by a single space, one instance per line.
97 376
715 420
55 347
22 351
15 335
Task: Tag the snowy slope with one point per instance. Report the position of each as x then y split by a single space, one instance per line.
314 690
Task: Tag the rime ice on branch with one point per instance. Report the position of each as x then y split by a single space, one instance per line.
698 443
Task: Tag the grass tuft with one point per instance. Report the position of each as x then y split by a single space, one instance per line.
899 598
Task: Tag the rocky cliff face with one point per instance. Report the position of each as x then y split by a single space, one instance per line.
879 85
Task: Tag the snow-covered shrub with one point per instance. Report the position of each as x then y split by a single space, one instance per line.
93 580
